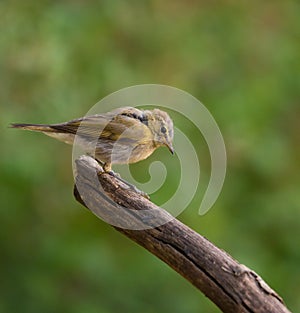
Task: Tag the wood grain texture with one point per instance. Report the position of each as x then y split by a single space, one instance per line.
231 286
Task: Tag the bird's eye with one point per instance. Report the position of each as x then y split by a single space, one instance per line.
163 129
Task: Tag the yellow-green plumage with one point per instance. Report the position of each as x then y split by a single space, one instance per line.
125 135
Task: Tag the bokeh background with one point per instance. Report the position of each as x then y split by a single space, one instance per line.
58 58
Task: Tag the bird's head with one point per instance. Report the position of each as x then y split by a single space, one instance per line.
161 126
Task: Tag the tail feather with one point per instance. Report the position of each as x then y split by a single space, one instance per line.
34 127
56 131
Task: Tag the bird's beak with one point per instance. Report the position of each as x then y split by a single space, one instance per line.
170 147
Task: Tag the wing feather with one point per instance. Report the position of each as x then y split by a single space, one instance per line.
129 122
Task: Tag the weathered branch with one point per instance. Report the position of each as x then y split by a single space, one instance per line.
231 286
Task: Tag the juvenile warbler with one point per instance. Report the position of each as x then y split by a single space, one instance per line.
125 135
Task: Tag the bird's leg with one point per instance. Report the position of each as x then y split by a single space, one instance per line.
107 169
131 186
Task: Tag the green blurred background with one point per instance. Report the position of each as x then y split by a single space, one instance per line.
58 58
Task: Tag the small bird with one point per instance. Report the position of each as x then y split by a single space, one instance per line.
122 136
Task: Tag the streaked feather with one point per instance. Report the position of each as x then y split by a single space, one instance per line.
125 135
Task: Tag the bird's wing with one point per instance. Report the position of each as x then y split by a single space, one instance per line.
130 122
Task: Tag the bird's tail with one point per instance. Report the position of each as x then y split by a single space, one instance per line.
34 127
58 131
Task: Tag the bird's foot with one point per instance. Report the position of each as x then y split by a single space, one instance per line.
114 174
129 185
107 169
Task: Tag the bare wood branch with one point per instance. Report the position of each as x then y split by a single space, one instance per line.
231 286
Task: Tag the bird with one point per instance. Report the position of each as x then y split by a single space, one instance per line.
123 136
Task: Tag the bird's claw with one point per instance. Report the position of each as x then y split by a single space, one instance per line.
129 185
114 174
